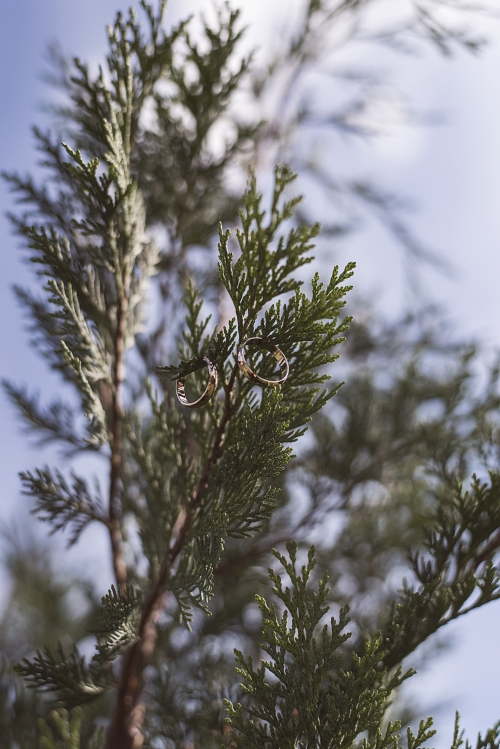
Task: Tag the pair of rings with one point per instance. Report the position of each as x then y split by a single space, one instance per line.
253 376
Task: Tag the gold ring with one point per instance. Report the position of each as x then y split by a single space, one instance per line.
275 351
209 390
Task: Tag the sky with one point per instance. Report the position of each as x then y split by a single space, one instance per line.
450 172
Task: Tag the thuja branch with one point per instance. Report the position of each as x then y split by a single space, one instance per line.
126 723
232 494
455 571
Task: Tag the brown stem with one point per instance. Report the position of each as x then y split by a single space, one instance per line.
125 729
115 532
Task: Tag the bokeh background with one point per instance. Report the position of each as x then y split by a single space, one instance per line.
447 166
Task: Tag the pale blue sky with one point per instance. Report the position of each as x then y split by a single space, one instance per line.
453 174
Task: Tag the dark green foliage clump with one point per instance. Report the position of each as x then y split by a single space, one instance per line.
314 691
312 700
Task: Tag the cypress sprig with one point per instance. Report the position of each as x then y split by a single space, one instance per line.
65 507
68 675
312 699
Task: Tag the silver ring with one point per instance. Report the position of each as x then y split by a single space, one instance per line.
209 390
275 351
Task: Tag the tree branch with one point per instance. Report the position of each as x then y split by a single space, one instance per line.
125 728
115 532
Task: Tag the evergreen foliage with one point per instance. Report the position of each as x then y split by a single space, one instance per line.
66 731
197 500
310 698
313 701
232 498
61 505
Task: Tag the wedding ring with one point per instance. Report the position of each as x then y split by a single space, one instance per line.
275 351
209 390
